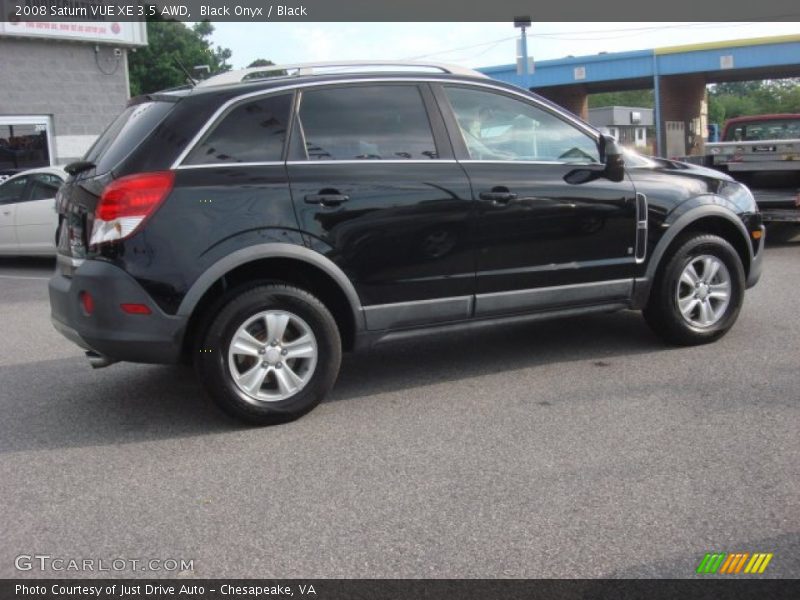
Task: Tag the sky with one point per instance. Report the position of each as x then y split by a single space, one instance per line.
466 44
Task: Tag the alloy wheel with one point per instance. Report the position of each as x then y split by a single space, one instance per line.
272 356
704 291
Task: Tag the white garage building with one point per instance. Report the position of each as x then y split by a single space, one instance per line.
61 84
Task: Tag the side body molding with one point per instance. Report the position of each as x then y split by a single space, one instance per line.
643 284
272 250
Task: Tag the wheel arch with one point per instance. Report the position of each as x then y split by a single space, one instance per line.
287 263
707 218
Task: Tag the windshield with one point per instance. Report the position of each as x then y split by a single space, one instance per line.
755 131
632 159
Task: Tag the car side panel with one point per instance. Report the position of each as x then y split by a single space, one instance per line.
14 191
671 192
8 232
36 222
553 232
403 234
211 213
678 197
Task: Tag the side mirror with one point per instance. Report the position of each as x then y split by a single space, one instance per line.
611 155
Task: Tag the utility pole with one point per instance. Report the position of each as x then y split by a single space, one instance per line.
523 61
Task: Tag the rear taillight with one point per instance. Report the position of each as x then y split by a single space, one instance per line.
127 202
87 302
135 309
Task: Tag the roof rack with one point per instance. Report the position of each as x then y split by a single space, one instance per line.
320 68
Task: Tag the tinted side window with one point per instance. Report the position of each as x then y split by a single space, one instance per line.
496 127
251 132
127 131
387 122
44 187
11 191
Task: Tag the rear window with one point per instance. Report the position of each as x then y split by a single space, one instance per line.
126 132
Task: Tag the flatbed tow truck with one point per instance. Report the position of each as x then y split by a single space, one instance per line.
763 152
778 205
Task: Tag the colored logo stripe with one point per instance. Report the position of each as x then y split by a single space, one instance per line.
758 563
723 563
710 563
734 563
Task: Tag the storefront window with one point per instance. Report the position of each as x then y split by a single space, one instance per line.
23 145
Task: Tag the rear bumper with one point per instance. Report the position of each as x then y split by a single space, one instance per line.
153 338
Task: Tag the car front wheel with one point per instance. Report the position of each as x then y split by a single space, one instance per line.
698 294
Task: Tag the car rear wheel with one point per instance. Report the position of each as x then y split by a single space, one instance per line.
271 354
698 294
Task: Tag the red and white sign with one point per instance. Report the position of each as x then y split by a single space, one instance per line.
109 32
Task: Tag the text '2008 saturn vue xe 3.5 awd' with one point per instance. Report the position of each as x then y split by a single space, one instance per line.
260 226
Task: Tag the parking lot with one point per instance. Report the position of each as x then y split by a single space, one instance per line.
576 448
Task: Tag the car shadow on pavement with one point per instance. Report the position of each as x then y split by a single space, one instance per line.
45 264
489 350
63 403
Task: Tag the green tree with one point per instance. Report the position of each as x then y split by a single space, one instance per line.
743 98
725 100
156 67
263 62
221 55
635 98
716 111
260 62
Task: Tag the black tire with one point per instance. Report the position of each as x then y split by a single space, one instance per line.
212 356
662 313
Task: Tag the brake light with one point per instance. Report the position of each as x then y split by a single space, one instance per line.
127 202
135 309
87 302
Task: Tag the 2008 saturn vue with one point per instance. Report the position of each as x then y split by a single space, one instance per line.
260 226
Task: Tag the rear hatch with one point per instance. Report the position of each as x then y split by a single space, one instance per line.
78 197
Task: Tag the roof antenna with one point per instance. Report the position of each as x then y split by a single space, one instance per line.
192 81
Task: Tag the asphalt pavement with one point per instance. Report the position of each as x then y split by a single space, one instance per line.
572 448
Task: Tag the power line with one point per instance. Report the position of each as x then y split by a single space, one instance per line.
608 34
474 55
604 34
629 29
448 51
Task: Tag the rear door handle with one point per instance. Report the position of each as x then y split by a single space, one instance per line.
327 199
498 197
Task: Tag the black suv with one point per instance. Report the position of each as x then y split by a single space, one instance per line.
259 227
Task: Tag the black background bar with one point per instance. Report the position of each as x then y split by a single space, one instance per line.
738 588
407 10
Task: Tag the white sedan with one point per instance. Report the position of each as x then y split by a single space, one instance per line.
28 218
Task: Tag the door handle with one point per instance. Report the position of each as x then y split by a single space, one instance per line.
498 197
327 198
